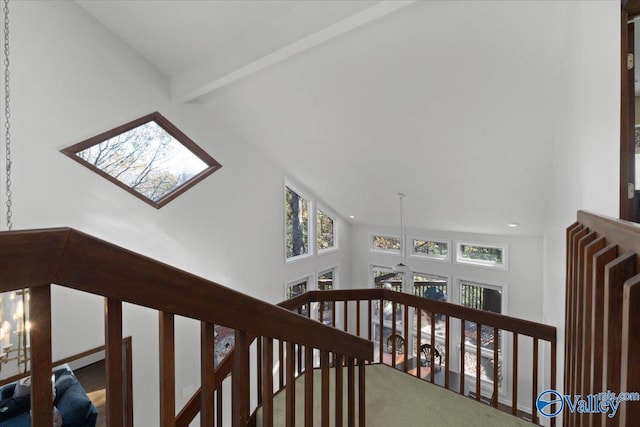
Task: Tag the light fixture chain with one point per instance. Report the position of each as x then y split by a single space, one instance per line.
7 115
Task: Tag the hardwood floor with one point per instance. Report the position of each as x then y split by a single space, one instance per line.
92 379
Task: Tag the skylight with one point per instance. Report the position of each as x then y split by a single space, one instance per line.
149 157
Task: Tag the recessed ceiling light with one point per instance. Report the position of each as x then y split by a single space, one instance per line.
514 224
352 216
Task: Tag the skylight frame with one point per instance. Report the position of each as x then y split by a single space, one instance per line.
212 164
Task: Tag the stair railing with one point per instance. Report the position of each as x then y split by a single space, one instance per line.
66 257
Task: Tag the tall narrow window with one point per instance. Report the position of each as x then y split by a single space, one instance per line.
325 309
148 157
486 298
325 231
296 223
298 287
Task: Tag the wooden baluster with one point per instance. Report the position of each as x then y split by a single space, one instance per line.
405 364
166 329
339 387
418 342
579 316
462 354
630 372
113 363
496 365
207 379
381 326
514 390
324 368
351 393
259 368
267 383
298 351
361 394
358 317
308 387
240 381
41 393
345 316
534 383
446 349
290 388
616 274
393 333
281 364
590 250
432 375
600 260
478 358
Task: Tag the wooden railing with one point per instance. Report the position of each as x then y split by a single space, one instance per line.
602 324
358 311
36 259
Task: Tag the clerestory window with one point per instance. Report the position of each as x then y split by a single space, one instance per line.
148 157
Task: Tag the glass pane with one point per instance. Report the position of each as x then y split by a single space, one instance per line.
435 288
430 248
295 290
481 253
325 283
479 297
146 159
297 223
486 367
324 229
223 341
385 243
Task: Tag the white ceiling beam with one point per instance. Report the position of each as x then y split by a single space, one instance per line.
205 78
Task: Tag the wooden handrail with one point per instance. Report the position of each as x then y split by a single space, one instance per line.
74 259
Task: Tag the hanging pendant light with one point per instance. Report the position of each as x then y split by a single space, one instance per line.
14 310
401 267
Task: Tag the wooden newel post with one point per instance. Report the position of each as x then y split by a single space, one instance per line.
41 392
240 381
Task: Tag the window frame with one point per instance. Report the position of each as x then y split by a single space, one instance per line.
372 248
486 385
329 213
412 253
311 229
504 265
212 164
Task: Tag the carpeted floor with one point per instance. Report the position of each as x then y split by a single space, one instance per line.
395 399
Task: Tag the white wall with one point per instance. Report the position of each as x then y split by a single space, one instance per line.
521 283
72 79
585 167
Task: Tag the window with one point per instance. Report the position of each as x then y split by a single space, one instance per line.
295 288
325 231
430 249
148 157
433 287
389 244
483 255
325 309
487 298
297 224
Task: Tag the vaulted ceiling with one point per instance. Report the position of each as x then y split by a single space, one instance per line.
451 102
